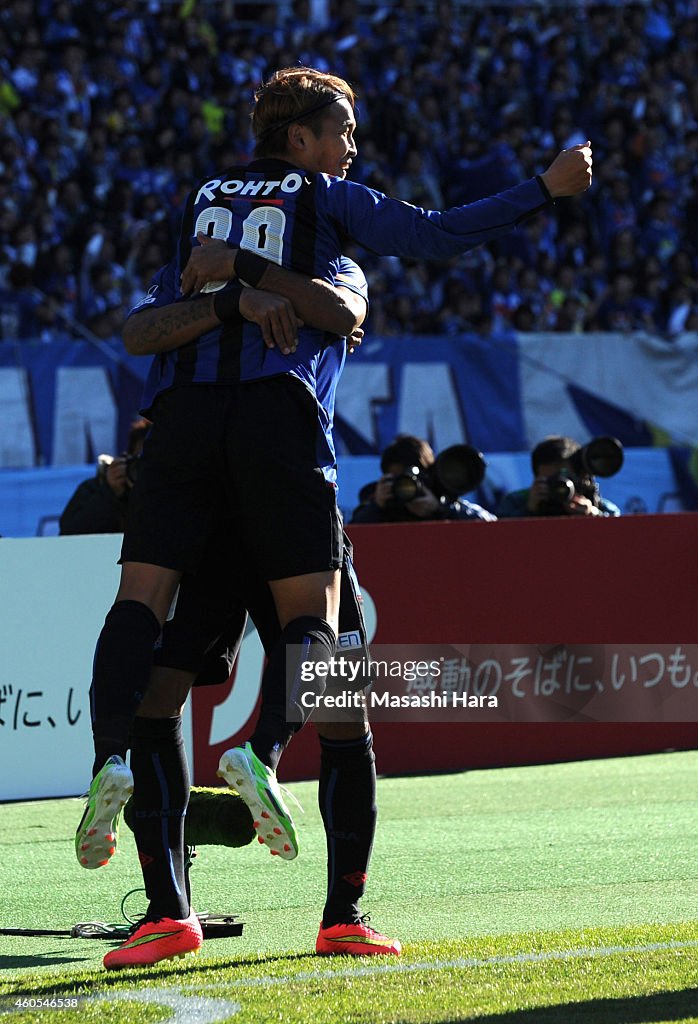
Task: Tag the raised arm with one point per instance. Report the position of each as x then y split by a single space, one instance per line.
389 227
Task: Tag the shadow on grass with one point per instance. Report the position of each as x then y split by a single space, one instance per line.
8 963
185 973
660 1007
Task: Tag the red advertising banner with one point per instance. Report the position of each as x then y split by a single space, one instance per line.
497 600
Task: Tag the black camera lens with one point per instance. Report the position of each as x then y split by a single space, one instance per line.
457 470
561 490
602 457
407 486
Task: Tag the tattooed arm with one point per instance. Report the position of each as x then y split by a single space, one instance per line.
167 327
162 329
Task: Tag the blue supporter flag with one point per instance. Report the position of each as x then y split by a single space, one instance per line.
603 417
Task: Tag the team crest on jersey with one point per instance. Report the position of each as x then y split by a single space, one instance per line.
150 296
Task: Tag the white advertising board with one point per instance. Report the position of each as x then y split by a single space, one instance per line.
54 595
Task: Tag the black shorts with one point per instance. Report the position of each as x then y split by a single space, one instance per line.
242 452
210 617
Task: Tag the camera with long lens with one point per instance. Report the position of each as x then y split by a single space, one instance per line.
561 490
457 470
602 456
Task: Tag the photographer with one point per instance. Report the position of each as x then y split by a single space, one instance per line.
564 481
406 491
99 504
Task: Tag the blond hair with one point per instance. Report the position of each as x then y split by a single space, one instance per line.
293 94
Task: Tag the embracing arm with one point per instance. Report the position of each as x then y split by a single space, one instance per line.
337 310
161 329
167 327
170 326
319 304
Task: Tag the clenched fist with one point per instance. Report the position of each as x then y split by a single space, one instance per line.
570 172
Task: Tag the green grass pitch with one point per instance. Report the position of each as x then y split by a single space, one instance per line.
559 894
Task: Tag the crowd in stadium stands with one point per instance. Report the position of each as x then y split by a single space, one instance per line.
111 109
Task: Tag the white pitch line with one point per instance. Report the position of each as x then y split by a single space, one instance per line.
202 1010
443 965
187 1009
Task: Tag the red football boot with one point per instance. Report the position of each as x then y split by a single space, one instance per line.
153 941
355 939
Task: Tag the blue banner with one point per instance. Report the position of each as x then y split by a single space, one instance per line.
63 403
447 390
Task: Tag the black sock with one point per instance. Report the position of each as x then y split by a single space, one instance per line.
316 641
347 798
122 663
160 797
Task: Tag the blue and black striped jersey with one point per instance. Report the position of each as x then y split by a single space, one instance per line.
303 221
162 375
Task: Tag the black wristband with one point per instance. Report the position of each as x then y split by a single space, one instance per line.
249 267
226 302
544 188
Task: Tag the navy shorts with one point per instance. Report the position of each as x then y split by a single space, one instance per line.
243 453
210 617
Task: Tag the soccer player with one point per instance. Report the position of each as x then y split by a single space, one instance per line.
291 205
207 628
208 604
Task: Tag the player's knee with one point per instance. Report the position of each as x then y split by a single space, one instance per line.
121 668
149 585
167 693
310 631
312 642
128 614
124 652
313 596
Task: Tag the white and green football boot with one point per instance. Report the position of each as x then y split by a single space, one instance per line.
257 785
95 839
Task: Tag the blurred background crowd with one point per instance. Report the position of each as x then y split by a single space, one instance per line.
110 111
